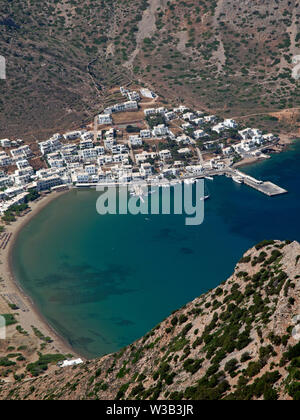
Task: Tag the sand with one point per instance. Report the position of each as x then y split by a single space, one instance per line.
27 315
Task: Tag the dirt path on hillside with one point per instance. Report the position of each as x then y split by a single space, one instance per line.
219 55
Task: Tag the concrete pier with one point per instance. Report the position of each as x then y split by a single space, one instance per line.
267 188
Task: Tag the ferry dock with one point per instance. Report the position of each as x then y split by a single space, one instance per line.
266 187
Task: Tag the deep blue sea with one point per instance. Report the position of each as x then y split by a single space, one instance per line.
104 281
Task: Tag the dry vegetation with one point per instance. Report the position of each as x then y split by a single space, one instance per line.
64 57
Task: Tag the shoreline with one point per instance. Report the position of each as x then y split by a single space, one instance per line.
283 144
28 314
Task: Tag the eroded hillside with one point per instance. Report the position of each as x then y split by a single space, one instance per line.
238 341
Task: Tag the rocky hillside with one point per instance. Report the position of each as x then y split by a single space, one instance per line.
238 341
63 57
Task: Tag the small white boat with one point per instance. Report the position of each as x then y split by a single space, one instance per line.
209 177
206 197
237 179
189 181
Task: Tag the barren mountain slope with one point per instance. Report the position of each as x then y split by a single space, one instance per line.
238 341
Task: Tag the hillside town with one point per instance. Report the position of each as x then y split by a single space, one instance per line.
151 143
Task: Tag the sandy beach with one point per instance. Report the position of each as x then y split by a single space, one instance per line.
10 292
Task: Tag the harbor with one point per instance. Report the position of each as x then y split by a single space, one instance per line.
265 187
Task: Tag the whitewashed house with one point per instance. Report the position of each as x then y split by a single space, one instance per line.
145 170
219 128
5 160
189 116
142 157
72 135
104 119
160 130
88 154
165 154
195 169
86 144
230 123
23 151
199 134
135 140
210 118
5 143
149 111
108 143
145 134
21 164
186 126
184 151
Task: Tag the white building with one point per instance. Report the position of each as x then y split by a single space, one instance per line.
199 121
145 134
185 140
108 143
23 151
91 169
56 163
160 130
149 111
230 123
5 143
50 145
165 154
104 119
146 170
199 134
86 144
119 148
195 169
219 128
180 109
21 164
48 183
249 133
142 157
170 115
210 118
126 106
184 151
189 116
67 363
72 135
133 96
5 160
82 178
88 154
135 140
187 126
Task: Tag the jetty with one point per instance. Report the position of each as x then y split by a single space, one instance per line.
268 188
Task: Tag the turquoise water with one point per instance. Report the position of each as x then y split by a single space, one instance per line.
103 281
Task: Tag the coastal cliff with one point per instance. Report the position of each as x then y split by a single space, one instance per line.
239 341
